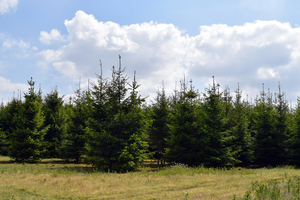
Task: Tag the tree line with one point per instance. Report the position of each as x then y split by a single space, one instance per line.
112 127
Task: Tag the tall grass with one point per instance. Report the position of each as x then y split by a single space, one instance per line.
54 180
274 189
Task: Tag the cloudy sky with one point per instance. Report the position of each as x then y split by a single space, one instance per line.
245 42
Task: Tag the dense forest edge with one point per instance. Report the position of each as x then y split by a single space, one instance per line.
113 128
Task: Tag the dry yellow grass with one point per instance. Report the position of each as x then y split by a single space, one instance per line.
62 181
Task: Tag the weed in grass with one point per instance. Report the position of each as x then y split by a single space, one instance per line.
186 196
273 190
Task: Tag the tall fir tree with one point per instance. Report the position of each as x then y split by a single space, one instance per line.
266 144
95 131
55 118
115 138
294 153
8 123
74 145
3 136
243 140
27 138
217 139
159 130
184 144
282 129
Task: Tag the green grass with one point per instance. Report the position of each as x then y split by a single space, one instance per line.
53 179
274 189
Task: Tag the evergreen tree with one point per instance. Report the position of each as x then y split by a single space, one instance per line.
217 138
266 145
3 137
73 147
27 138
115 137
97 137
3 143
184 142
159 129
295 137
242 135
55 118
8 123
282 130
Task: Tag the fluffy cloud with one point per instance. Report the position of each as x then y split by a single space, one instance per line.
68 68
53 36
7 5
7 85
8 44
262 51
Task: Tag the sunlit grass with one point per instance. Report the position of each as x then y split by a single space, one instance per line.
4 159
50 180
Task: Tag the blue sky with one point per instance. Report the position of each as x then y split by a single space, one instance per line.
249 42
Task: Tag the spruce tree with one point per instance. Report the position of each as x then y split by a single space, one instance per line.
184 142
282 130
3 143
97 137
3 137
115 134
75 140
266 143
217 138
294 153
8 123
159 130
242 136
27 138
55 118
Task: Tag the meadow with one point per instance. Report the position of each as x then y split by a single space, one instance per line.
52 179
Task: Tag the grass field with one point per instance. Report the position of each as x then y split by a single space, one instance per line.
54 180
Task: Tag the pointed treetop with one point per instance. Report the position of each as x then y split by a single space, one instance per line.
119 63
100 69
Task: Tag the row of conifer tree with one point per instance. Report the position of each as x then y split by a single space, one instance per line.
112 127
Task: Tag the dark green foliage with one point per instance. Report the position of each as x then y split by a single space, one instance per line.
243 140
185 145
3 143
55 118
3 136
27 138
159 130
217 138
267 146
8 123
108 127
282 130
295 136
115 135
97 137
73 147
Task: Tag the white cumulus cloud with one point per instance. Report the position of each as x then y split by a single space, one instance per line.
267 51
53 36
7 5
67 68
